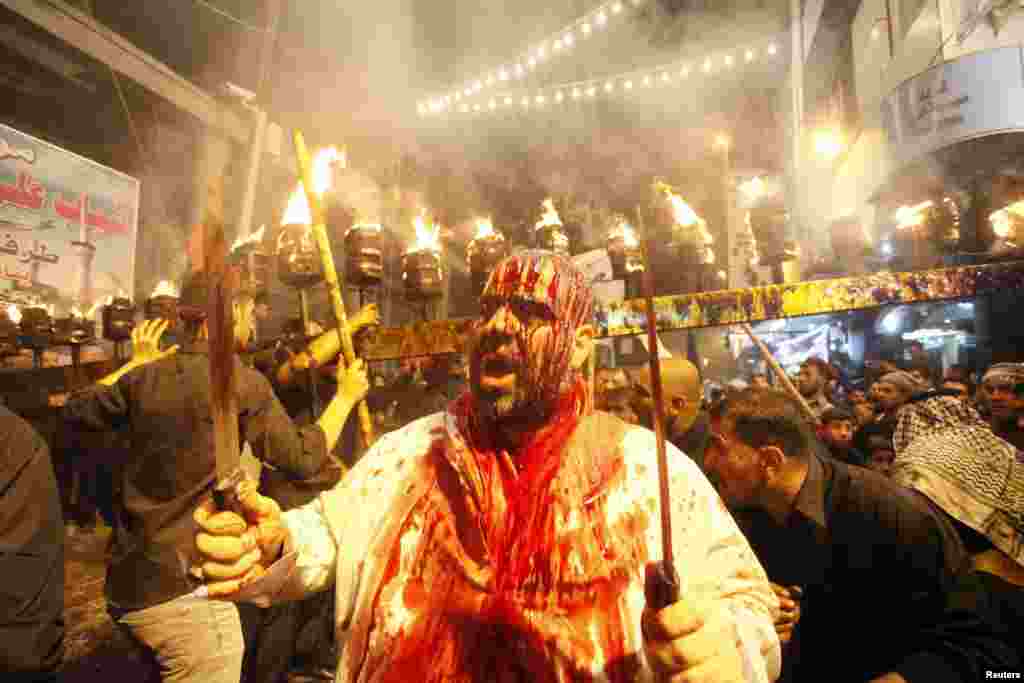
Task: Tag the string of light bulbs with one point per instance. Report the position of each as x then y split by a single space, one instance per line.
557 43
662 75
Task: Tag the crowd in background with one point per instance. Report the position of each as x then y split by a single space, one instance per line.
888 425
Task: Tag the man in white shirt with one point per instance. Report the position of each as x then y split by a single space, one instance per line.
507 538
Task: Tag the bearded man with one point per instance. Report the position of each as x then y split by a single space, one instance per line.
507 538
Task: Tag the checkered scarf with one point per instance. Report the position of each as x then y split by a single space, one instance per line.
945 451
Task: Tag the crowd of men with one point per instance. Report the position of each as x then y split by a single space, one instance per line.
511 533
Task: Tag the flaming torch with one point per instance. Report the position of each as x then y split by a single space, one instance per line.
909 224
485 251
9 319
1005 219
163 303
73 330
308 173
421 265
249 255
624 251
549 233
364 255
36 331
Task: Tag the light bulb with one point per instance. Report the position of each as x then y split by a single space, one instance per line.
531 63
707 65
772 49
576 92
540 99
616 8
508 101
476 107
647 80
629 85
749 55
608 86
492 104
558 44
728 60
664 78
586 29
502 75
568 39
591 91
558 96
602 18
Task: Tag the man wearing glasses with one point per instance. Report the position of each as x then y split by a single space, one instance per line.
868 553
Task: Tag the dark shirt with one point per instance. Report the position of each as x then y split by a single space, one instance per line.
849 456
887 566
694 441
171 468
31 554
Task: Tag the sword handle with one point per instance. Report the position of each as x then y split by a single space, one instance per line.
661 585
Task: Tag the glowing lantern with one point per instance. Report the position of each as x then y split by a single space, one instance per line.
250 256
36 328
118 318
624 251
485 251
364 255
298 259
9 320
163 303
549 233
421 265
73 330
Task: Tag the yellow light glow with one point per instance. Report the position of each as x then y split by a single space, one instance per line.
484 228
76 313
297 212
911 216
710 256
626 232
722 140
165 288
427 237
754 188
828 144
253 238
14 313
550 216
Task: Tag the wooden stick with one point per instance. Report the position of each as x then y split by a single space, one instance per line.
330 274
662 590
781 374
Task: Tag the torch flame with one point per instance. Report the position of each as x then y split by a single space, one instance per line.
14 313
426 237
254 238
1001 220
165 288
911 216
76 313
550 216
298 212
484 229
754 188
710 257
92 309
628 235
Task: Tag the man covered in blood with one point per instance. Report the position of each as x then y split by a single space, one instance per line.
506 539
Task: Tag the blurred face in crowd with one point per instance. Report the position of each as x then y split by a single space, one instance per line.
760 382
881 461
919 375
839 433
610 379
857 396
810 381
1005 403
737 470
617 402
888 397
864 413
959 387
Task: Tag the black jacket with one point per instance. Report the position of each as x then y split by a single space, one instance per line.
165 408
887 585
31 554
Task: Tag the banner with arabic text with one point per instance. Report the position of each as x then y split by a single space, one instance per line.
67 225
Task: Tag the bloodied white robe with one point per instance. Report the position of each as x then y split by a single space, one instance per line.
363 537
